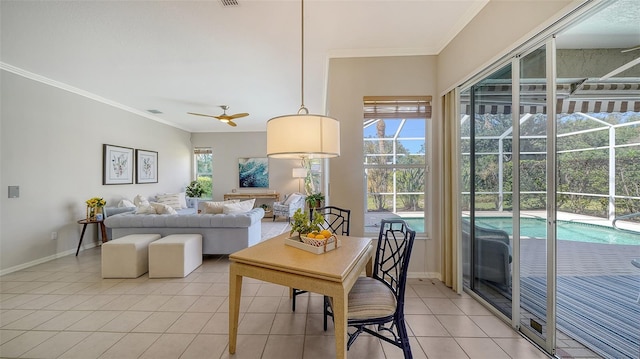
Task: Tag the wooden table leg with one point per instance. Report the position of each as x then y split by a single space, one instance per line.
103 229
235 292
340 305
84 228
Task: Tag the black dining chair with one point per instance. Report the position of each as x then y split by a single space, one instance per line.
337 221
376 304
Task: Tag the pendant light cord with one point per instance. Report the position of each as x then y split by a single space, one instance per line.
303 109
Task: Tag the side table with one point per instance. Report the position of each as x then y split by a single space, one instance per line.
101 226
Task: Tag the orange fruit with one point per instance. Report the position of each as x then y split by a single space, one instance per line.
311 235
326 233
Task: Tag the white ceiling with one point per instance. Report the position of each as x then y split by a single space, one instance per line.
192 56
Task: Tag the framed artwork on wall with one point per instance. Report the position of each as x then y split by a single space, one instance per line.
146 166
253 172
117 165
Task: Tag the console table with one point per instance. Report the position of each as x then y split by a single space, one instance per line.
251 195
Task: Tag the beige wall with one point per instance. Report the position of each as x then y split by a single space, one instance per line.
500 27
51 146
349 80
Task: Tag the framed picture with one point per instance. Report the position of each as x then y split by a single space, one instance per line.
146 166
117 165
253 172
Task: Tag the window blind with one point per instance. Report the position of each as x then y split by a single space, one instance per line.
403 107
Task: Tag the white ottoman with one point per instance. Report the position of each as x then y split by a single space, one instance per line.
175 256
127 257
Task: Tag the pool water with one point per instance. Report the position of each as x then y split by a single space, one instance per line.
536 228
566 230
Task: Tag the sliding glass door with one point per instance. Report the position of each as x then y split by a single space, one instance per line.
549 145
534 198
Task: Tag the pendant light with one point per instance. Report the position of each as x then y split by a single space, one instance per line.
303 135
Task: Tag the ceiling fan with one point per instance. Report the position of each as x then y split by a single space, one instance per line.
224 117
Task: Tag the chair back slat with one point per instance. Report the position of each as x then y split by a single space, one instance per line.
336 219
393 252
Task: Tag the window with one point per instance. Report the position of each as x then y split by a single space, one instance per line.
203 163
395 159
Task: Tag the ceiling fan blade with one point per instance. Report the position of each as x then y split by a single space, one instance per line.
238 115
223 117
231 123
201 114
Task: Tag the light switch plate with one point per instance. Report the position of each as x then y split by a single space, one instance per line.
14 191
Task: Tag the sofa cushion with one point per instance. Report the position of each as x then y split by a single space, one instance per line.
125 203
145 209
162 208
175 200
140 200
215 207
240 207
130 220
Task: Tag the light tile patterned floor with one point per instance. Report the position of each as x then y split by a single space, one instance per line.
64 309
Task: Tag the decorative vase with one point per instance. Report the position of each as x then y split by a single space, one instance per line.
92 212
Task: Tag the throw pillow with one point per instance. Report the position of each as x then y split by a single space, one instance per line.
294 197
139 201
162 208
216 207
240 207
182 197
149 209
125 203
171 200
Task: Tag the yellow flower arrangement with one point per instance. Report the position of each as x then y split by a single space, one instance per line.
96 202
94 206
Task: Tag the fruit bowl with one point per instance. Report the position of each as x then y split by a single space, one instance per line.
317 242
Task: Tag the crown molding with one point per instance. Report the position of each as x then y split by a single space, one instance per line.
45 80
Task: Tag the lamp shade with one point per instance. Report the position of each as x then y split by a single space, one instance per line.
300 172
303 136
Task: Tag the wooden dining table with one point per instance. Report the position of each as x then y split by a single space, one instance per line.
332 274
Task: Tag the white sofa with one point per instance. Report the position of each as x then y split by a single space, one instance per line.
221 233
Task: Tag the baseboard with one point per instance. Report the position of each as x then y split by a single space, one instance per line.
44 260
422 275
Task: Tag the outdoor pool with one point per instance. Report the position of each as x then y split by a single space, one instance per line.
566 230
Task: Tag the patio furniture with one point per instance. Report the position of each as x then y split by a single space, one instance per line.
379 300
337 221
291 203
493 254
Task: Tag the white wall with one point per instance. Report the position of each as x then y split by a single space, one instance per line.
52 148
350 79
229 147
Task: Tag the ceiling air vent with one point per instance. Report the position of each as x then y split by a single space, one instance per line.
155 112
229 3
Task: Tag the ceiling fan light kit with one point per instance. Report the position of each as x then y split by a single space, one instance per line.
303 135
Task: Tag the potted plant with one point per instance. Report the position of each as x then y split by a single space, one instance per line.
193 190
302 225
315 200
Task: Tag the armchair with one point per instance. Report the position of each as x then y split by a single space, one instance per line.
291 203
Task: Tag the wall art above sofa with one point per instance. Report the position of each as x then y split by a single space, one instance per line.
117 165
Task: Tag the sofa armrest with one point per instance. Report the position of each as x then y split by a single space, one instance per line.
111 211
